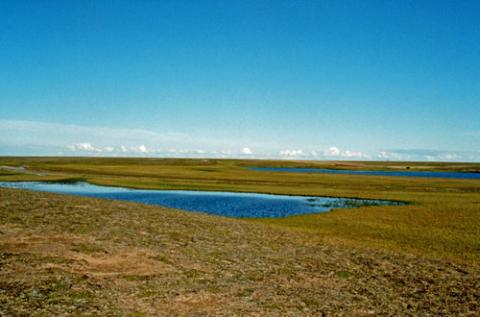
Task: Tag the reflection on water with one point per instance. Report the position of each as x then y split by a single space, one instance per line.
228 204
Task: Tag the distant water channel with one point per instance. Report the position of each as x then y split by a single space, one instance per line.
460 175
228 204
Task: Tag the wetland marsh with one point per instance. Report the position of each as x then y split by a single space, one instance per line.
227 204
394 173
84 255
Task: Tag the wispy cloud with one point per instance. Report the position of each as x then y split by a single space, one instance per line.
330 153
429 155
291 153
86 148
335 152
83 147
54 137
40 138
34 132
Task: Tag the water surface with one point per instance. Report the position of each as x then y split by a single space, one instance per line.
460 175
228 204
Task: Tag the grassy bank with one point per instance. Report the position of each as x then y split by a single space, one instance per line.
443 220
87 256
64 255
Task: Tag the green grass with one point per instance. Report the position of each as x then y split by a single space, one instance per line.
82 256
443 220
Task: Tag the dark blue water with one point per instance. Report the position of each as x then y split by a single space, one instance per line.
372 173
228 204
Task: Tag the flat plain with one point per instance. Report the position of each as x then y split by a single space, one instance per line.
65 255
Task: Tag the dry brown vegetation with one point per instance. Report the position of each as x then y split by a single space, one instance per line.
68 255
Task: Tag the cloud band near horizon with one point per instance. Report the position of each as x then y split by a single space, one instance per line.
19 137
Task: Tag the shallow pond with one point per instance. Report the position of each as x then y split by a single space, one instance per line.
228 204
461 175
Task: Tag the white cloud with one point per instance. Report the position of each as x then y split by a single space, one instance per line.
54 136
338 153
388 155
44 138
291 153
356 154
40 138
134 149
142 148
247 151
449 156
89 148
332 151
429 155
85 147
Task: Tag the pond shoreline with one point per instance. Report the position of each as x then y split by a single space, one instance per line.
380 173
222 203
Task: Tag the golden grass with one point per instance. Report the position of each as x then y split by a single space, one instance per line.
442 222
74 256
63 255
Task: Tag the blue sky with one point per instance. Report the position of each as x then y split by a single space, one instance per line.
396 80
